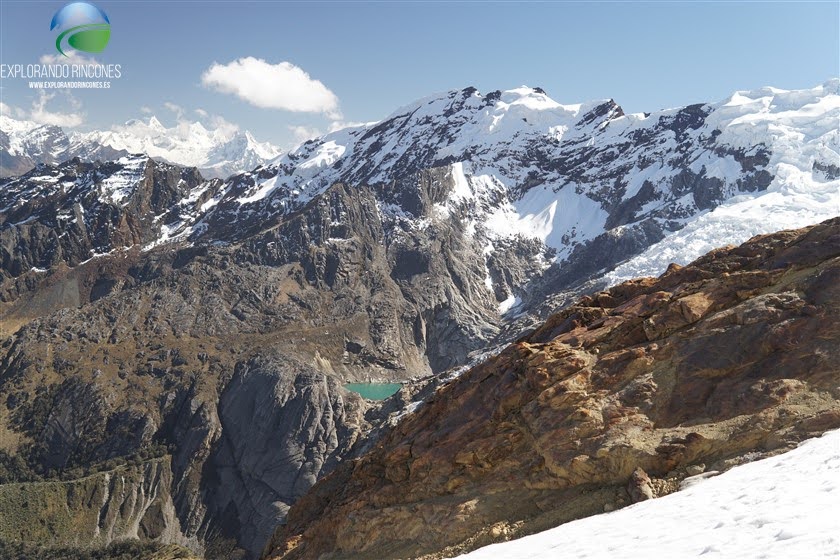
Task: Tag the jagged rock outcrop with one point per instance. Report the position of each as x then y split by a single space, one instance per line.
732 355
71 213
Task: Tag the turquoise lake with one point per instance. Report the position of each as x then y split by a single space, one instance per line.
374 391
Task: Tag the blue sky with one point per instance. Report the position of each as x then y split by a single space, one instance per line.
376 56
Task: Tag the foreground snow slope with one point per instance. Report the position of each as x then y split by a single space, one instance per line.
782 507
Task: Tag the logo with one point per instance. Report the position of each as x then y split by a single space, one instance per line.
83 26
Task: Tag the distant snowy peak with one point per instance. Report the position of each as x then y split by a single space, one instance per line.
17 129
25 143
242 152
218 152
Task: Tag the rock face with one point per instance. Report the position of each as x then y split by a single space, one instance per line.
488 207
71 213
552 194
231 357
247 430
282 427
381 302
733 355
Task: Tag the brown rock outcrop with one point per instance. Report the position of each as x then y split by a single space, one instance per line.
640 486
732 355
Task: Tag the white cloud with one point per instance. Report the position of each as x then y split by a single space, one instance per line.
272 86
201 112
338 125
12 111
146 110
40 114
72 58
177 109
75 104
303 133
221 125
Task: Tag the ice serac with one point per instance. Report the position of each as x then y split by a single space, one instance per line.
622 394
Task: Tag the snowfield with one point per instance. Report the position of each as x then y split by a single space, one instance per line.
800 194
785 507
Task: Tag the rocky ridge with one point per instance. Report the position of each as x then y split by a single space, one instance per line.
613 400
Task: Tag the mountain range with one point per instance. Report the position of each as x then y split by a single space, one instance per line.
218 152
175 346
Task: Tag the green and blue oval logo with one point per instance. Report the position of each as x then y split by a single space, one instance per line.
82 26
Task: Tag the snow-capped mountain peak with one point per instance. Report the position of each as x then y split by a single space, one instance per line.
155 124
592 185
218 152
24 143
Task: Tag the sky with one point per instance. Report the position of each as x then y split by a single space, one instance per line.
289 70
